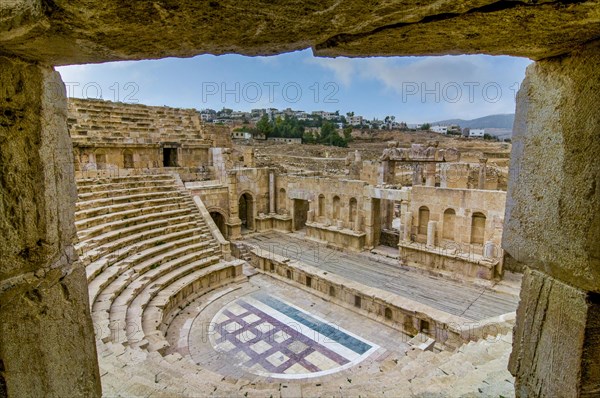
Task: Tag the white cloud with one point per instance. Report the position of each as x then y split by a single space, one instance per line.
342 68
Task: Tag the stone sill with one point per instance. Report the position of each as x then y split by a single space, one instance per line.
437 250
333 228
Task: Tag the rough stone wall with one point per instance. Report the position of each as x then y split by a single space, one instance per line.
256 182
214 199
464 202
309 188
67 32
555 172
106 130
553 224
220 136
46 336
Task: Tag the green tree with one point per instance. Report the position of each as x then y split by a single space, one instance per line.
263 126
426 126
330 136
348 134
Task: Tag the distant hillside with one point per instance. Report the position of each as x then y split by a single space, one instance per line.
504 121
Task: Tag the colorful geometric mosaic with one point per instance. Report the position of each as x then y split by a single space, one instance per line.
269 337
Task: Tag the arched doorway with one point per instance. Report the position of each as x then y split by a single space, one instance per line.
448 226
219 220
246 211
336 208
423 220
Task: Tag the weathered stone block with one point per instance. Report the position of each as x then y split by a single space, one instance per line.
46 336
556 350
553 200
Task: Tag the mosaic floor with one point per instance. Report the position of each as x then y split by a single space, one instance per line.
270 337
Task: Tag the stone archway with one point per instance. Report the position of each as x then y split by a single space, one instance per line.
246 211
220 222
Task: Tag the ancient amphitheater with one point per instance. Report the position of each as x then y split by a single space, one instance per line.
143 253
210 276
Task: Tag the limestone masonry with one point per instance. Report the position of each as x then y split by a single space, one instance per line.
143 253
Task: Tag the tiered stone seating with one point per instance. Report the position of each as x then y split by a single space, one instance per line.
139 124
146 249
478 369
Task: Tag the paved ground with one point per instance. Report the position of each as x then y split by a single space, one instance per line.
263 330
463 299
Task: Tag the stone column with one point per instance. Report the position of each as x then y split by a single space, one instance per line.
444 175
430 169
358 222
482 173
489 250
388 172
234 224
431 230
417 174
47 343
553 227
271 192
407 226
369 222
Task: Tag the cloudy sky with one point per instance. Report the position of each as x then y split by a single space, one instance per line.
413 89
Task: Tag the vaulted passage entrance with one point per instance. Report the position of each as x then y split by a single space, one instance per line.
246 210
300 213
219 221
170 157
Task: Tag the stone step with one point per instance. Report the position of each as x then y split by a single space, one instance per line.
130 245
89 244
92 232
139 292
122 179
103 309
125 268
98 211
95 203
117 193
113 186
89 223
163 300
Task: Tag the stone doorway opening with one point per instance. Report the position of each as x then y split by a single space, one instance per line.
169 157
300 214
219 220
246 211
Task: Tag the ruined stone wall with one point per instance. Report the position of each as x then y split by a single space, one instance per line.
553 226
254 181
464 202
108 135
219 136
215 199
309 188
370 172
46 336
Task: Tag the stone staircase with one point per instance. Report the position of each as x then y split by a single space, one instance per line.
146 249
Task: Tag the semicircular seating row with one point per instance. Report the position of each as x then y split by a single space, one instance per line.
477 369
147 251
146 248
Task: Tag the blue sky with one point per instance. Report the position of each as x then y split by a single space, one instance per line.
413 89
